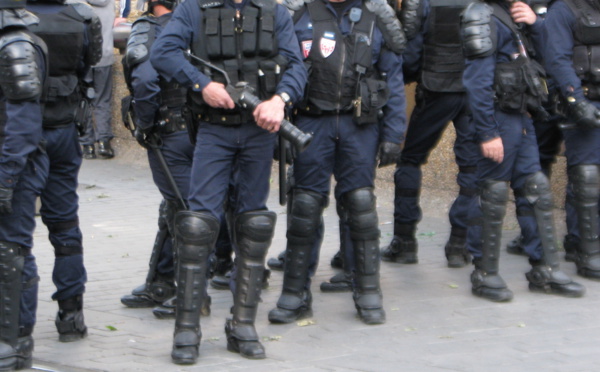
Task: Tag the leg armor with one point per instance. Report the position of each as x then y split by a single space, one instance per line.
195 237
12 355
253 235
586 182
546 276
69 320
485 280
295 300
157 288
364 232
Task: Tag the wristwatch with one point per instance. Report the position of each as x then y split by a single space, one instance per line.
285 98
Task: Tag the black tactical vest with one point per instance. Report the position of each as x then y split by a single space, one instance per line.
519 84
63 33
443 60
337 62
242 43
586 53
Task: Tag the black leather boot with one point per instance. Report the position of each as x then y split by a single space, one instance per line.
69 320
456 251
404 246
105 149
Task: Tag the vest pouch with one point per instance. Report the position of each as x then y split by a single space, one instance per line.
373 95
594 71
581 61
212 30
362 55
228 33
510 86
61 100
250 74
268 75
249 35
267 43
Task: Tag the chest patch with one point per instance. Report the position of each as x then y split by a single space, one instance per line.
327 44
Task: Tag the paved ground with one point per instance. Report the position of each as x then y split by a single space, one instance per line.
434 323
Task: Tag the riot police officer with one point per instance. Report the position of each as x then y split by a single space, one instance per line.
252 41
23 170
572 44
504 85
73 35
156 107
433 58
353 51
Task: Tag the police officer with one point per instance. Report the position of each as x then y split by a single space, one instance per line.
73 35
253 41
353 51
23 170
498 65
572 44
433 58
159 126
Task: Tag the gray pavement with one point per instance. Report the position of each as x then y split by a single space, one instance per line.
433 321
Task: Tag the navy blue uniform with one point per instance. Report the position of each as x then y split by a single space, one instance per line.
226 154
582 145
500 119
435 107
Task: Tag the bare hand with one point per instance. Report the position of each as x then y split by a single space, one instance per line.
119 20
493 149
215 95
522 13
269 114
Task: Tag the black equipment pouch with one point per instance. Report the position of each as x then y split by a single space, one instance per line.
269 75
249 72
510 86
172 120
228 28
61 100
373 95
266 38
249 39
213 33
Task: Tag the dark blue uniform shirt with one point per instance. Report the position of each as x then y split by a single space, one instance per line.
167 54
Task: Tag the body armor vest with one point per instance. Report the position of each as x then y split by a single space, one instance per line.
443 60
337 62
243 44
586 53
63 33
520 83
172 94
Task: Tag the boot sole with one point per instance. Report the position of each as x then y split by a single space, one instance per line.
588 274
72 337
547 289
233 349
506 298
302 315
406 261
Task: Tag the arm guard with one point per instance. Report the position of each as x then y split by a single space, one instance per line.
410 16
20 76
388 24
478 31
139 42
94 30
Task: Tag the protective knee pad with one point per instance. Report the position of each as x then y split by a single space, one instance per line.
306 212
11 270
585 180
362 214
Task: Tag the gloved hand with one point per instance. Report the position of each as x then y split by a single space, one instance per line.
6 196
583 113
141 136
388 153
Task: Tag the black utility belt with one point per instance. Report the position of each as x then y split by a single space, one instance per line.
222 119
171 127
314 111
591 91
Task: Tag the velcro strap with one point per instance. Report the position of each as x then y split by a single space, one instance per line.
62 226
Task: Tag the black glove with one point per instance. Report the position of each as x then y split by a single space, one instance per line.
142 135
388 153
583 113
6 196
